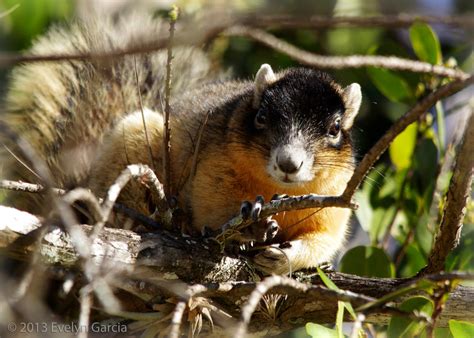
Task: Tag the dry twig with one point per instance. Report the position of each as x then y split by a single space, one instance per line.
85 311
176 319
27 187
281 205
385 21
341 62
140 104
260 290
167 129
139 172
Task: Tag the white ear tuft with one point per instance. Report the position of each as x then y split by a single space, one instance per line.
352 97
263 79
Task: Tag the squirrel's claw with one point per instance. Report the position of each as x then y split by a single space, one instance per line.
272 229
257 207
277 197
260 232
326 267
247 209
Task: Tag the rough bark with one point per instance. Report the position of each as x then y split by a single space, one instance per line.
160 259
459 190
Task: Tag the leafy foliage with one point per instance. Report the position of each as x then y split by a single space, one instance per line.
406 327
367 261
460 329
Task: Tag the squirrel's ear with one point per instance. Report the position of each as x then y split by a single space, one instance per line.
352 97
263 79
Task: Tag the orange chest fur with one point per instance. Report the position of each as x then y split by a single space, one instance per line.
221 184
296 223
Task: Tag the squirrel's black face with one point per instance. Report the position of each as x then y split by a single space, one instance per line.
303 118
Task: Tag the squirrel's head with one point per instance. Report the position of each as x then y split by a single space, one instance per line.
300 121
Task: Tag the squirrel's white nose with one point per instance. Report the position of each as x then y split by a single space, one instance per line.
289 160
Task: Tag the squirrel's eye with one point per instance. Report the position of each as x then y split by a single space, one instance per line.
335 128
260 120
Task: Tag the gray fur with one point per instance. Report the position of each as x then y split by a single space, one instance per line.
64 108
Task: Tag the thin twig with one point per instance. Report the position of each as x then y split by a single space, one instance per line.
86 196
198 144
134 171
357 325
268 283
285 204
385 21
449 231
341 62
38 188
403 249
9 11
85 311
40 167
254 299
27 187
167 130
176 319
19 160
416 284
140 103
439 299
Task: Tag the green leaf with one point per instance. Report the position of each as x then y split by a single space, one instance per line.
330 285
340 318
401 149
426 166
320 331
406 327
421 284
367 261
442 332
413 262
377 201
462 258
423 235
425 43
392 85
461 329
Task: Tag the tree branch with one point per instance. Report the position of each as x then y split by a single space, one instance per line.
450 228
194 37
284 204
385 21
409 117
340 62
161 258
27 187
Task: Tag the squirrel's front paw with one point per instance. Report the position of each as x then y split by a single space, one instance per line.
261 231
275 259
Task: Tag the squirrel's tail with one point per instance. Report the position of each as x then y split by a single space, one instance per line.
63 108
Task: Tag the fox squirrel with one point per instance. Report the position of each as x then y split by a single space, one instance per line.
285 133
